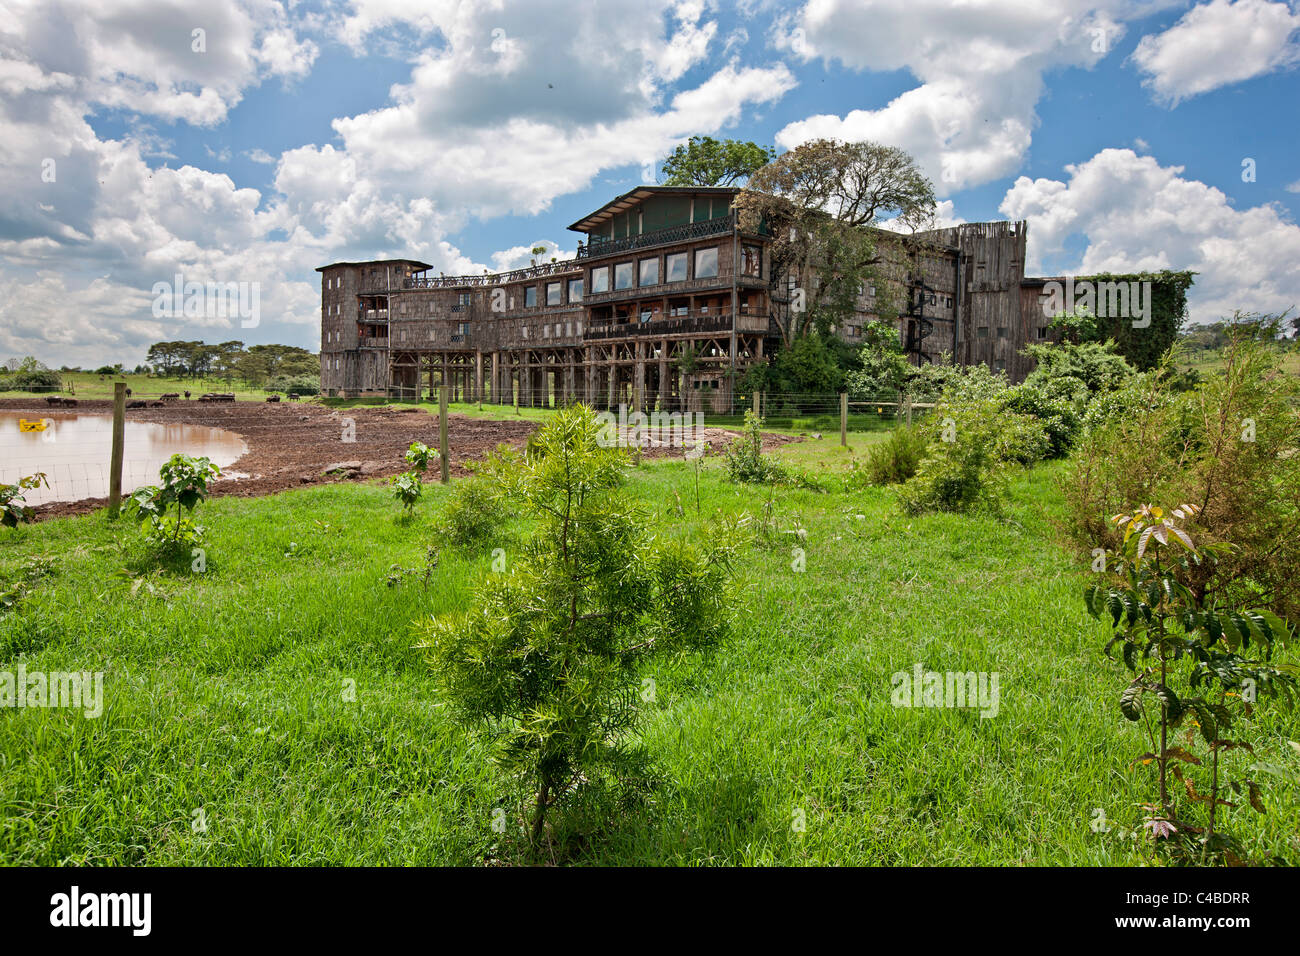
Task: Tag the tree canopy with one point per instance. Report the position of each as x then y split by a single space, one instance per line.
705 161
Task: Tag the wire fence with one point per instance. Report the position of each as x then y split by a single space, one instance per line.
825 411
73 481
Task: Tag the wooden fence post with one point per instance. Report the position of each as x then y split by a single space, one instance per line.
442 433
115 463
844 419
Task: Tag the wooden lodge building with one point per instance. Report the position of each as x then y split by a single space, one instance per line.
667 302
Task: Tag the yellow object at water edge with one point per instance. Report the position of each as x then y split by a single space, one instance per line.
25 426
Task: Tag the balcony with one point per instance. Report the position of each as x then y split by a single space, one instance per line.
696 323
372 341
597 247
539 271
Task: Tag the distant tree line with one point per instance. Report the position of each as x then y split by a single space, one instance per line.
254 365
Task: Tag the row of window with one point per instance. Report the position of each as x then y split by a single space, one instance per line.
982 332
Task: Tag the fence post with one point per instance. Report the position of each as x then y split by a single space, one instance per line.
442 433
115 464
757 407
909 409
844 419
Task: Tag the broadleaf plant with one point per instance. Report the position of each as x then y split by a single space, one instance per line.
1197 668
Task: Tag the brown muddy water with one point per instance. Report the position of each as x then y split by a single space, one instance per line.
73 451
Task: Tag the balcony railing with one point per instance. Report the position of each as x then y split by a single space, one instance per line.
491 278
678 325
372 341
695 230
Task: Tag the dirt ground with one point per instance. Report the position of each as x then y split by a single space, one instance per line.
293 444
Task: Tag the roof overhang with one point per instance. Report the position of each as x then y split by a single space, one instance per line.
420 266
641 193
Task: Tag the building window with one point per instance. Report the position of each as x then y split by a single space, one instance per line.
675 267
1042 331
623 276
751 261
706 263
982 332
552 293
1002 333
575 290
1000 365
649 272
530 296
600 280
463 298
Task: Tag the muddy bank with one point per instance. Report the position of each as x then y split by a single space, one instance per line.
291 444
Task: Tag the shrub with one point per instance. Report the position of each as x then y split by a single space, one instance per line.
184 484
969 442
1096 364
35 380
1058 416
896 459
546 661
1231 446
473 511
1165 630
409 486
744 458
298 384
13 503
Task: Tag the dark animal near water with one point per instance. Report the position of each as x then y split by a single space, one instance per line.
273 398
137 404
169 396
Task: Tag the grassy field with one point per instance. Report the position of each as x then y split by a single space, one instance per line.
88 385
228 735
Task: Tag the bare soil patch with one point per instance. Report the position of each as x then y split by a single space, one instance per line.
291 444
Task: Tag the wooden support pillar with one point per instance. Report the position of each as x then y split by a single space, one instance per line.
665 386
638 378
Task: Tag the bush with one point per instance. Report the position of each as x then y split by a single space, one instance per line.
1231 446
896 459
744 458
969 443
184 484
36 380
299 385
546 662
1058 416
472 513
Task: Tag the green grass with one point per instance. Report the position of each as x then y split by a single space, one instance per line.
89 386
225 692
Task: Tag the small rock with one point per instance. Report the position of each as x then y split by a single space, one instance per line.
371 467
342 468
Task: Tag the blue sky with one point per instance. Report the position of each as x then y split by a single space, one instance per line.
463 133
